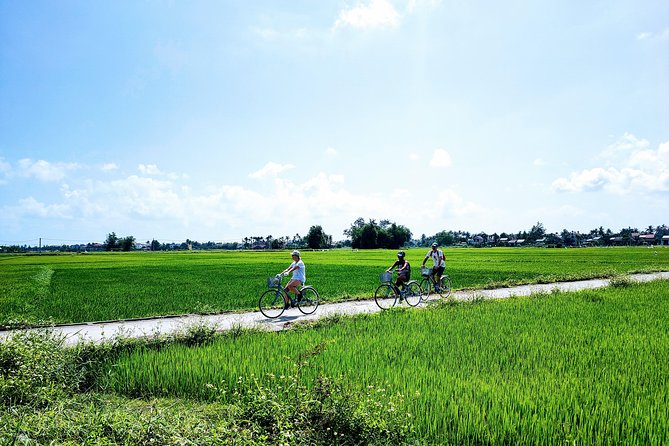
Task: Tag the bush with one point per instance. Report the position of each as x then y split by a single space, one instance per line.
285 409
40 376
35 369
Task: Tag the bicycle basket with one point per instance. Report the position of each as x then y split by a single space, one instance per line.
425 271
386 277
273 282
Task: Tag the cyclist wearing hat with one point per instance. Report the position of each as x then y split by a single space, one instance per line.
439 260
299 275
403 269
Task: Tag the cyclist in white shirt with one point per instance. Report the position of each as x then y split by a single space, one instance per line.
439 260
299 275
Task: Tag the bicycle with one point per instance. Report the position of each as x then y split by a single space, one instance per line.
387 294
276 299
430 286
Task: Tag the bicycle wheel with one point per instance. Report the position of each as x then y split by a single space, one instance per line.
272 303
445 286
309 301
413 293
426 288
385 296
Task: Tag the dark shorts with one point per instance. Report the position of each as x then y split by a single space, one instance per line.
438 270
404 276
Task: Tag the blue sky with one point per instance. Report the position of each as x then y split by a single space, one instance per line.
216 120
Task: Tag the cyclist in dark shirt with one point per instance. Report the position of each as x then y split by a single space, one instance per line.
403 270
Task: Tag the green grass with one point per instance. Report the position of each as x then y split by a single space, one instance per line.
46 398
562 368
107 286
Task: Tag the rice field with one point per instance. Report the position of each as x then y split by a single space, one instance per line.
589 367
106 286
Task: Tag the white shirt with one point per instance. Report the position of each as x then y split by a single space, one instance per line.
437 257
299 272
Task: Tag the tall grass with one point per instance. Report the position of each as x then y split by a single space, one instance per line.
563 368
45 398
104 286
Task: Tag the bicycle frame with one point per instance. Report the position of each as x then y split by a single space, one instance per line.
387 294
430 285
277 299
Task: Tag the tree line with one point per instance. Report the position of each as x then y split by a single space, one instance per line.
370 234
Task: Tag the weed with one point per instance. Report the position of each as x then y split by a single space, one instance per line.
620 281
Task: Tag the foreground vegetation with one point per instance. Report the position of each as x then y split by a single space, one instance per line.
49 395
590 367
106 286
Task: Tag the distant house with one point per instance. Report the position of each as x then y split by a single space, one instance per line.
618 240
592 241
647 239
665 240
477 240
517 242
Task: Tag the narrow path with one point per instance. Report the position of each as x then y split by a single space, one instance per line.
105 331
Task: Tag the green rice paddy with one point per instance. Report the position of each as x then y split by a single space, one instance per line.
108 286
590 367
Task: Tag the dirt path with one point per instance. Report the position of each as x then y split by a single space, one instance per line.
105 331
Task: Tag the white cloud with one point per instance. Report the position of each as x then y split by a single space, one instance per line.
331 151
146 206
154 170
401 194
587 180
149 169
33 208
661 36
632 168
440 158
271 168
109 167
266 33
451 202
412 5
375 14
539 162
620 150
44 170
151 207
